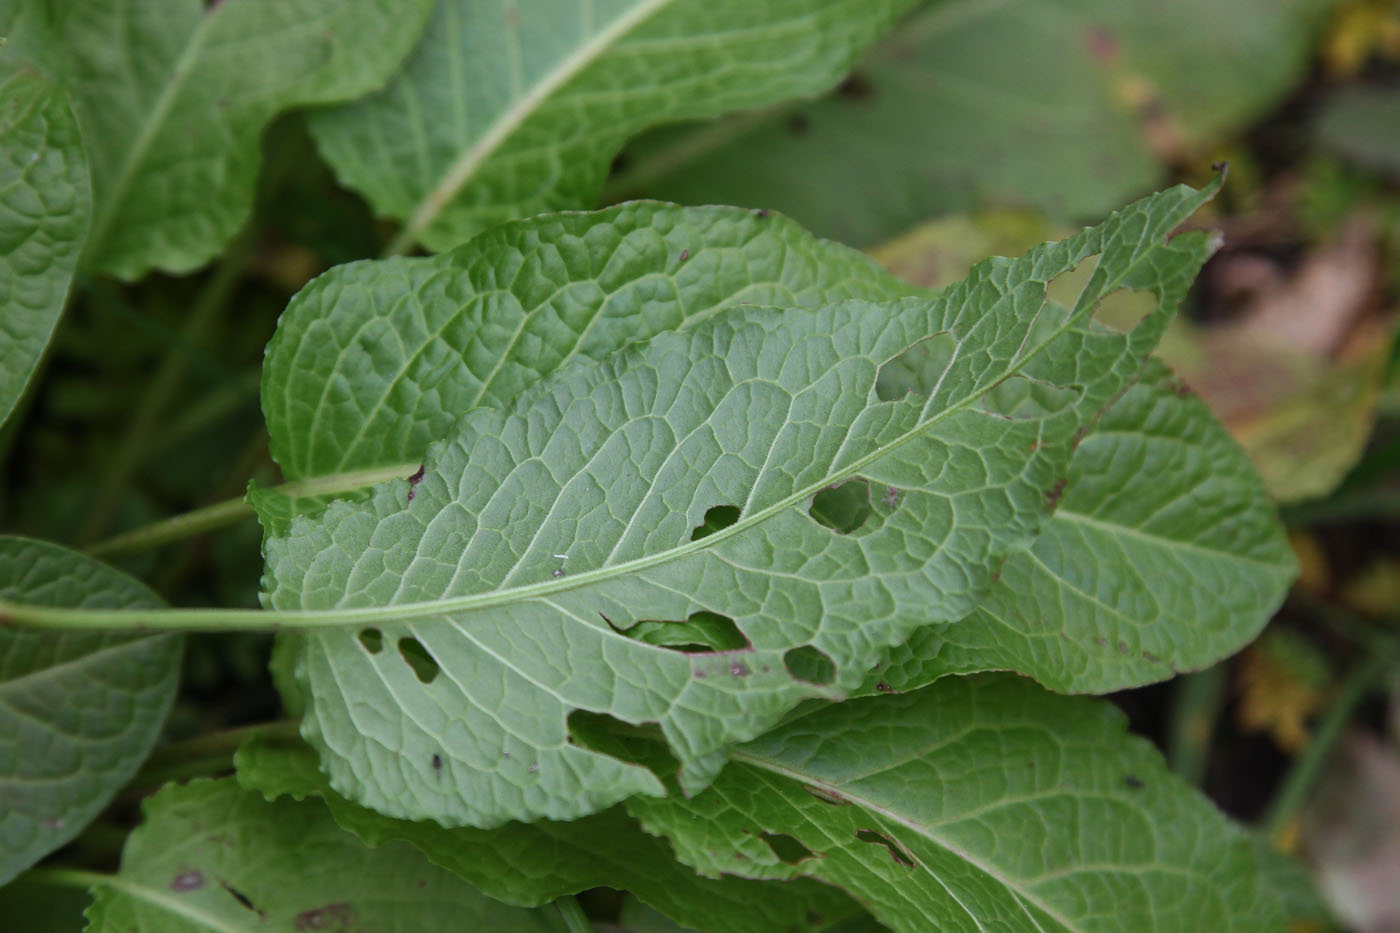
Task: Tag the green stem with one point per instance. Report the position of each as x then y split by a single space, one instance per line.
188 524
86 880
575 920
140 433
1195 706
1301 777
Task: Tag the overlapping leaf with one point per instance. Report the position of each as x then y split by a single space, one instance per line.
533 863
171 98
374 360
512 108
212 856
44 205
1069 108
456 701
78 711
978 803
1164 554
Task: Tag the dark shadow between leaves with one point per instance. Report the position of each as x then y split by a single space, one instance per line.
372 639
843 508
897 852
642 745
811 665
717 518
787 848
417 657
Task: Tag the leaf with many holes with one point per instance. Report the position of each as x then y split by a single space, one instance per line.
79 711
172 97
496 603
1163 555
374 360
530 864
212 856
977 803
44 205
514 107
1067 108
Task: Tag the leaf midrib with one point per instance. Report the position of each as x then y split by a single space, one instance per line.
919 829
136 155
511 119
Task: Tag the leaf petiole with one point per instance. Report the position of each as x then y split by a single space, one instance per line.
231 511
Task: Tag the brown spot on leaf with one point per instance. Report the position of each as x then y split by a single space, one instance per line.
337 916
882 687
857 86
1102 45
187 881
1053 494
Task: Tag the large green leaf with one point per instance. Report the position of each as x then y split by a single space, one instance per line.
1070 108
533 863
980 803
513 107
172 98
212 856
1163 555
374 360
44 205
480 640
78 711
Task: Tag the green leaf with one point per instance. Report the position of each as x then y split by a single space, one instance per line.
1362 124
211 856
372 361
1164 555
44 205
172 97
481 642
1304 907
78 711
530 864
513 108
1066 108
975 804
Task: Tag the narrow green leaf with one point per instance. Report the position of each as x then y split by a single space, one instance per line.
212 856
1164 555
79 711
514 107
374 360
531 864
1066 108
44 206
172 97
975 804
484 640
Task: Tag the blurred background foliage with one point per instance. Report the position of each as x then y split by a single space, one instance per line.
975 128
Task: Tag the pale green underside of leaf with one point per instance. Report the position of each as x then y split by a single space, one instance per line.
1164 555
980 803
78 711
292 868
972 104
530 864
513 107
373 361
173 96
44 206
613 464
